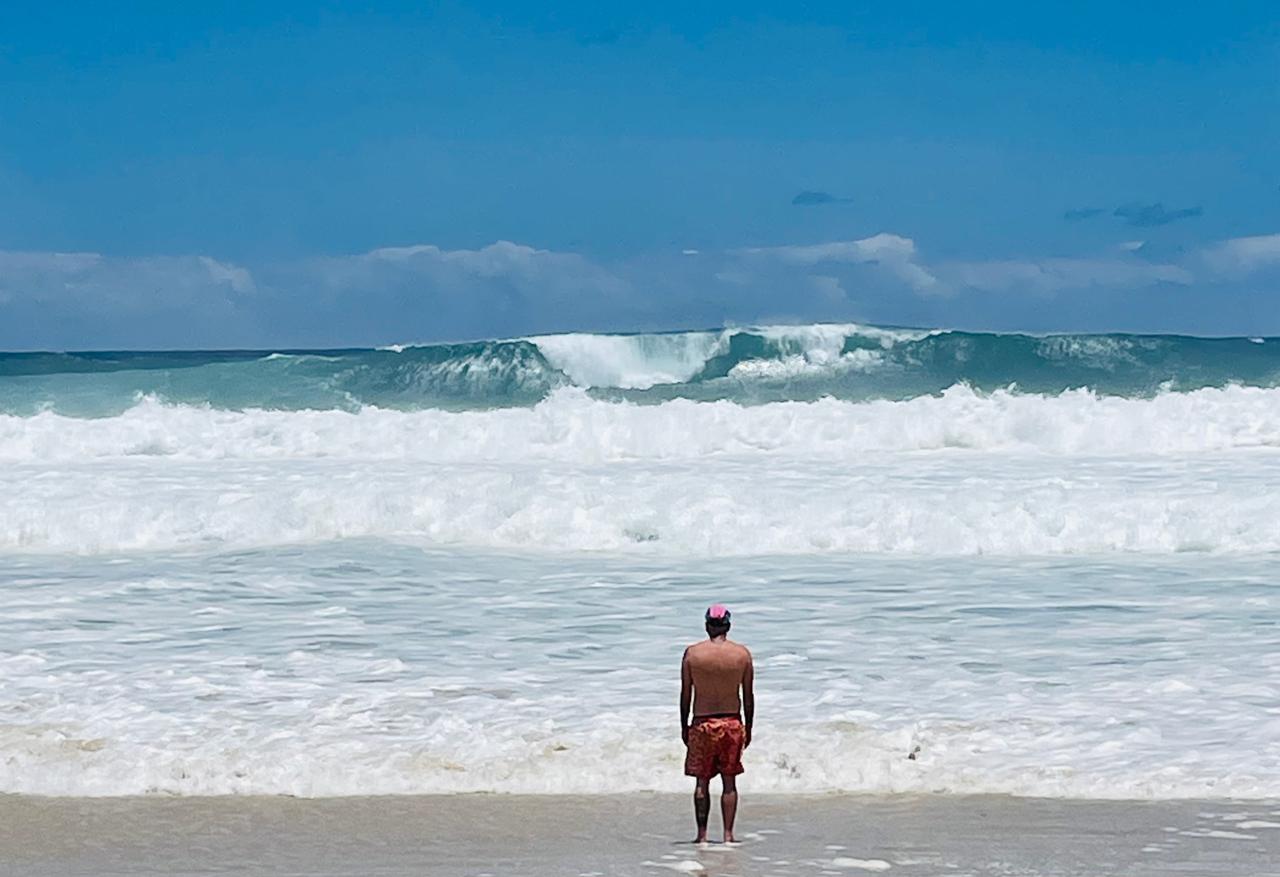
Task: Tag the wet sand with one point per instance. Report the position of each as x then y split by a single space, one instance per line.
633 834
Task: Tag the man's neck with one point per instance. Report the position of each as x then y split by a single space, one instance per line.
720 638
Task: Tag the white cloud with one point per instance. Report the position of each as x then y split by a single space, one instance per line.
506 288
1215 263
122 302
1046 276
828 287
520 270
94 281
896 254
239 279
497 258
1238 256
15 263
502 258
1131 268
735 276
878 246
918 278
402 254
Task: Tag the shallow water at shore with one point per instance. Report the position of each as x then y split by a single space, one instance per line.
474 835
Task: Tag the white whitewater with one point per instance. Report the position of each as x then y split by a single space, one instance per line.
1061 593
361 668
962 473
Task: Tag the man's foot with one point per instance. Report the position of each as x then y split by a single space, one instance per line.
701 838
728 838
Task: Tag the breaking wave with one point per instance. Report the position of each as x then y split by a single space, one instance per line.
964 472
749 365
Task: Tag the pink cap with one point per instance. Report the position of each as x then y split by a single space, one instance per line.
718 611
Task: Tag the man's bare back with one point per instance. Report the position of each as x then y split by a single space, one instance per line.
717 669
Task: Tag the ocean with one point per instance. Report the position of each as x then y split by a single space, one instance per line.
965 563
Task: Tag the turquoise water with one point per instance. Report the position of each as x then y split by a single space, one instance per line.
749 366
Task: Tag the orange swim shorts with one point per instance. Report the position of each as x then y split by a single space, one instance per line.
715 747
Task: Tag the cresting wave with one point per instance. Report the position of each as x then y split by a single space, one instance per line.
748 365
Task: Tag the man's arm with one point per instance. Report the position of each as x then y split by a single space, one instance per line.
686 696
749 698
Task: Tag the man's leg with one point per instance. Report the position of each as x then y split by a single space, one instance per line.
728 804
702 807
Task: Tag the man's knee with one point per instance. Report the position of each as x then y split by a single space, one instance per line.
730 783
702 789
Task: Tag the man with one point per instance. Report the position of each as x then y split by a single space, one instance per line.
711 675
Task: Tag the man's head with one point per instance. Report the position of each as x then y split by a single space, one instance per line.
717 620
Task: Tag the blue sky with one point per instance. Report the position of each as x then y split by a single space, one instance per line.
277 174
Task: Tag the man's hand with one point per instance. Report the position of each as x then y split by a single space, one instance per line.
746 740
684 734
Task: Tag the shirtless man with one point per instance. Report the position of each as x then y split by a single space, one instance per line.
711 675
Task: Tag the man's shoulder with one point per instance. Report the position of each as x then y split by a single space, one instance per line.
708 646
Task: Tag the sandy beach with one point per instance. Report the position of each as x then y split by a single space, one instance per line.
633 835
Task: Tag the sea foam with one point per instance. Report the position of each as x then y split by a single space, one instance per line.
362 668
572 427
961 473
